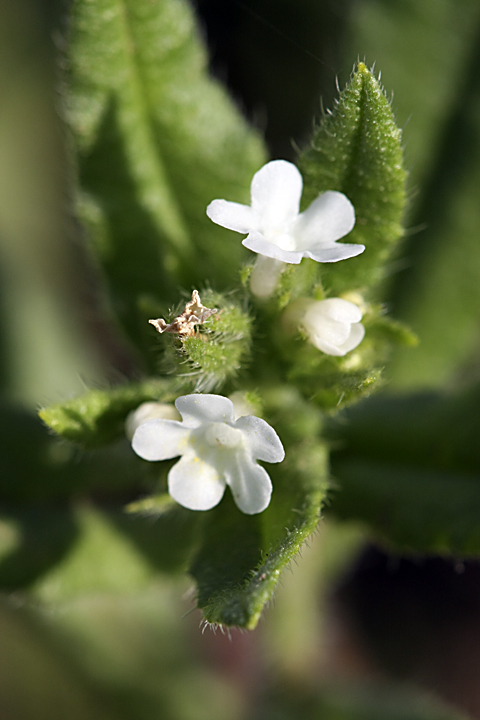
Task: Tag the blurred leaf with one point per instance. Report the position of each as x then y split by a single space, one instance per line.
357 150
98 417
240 557
67 551
440 294
414 47
33 538
109 554
38 680
36 467
410 468
157 141
362 701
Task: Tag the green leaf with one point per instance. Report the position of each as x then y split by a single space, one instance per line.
357 150
240 557
409 468
157 140
98 417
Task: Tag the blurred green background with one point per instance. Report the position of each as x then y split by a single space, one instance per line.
90 628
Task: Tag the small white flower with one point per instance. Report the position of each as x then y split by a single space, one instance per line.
277 230
216 451
333 325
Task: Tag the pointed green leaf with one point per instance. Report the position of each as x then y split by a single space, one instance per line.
409 468
157 140
240 557
98 417
357 150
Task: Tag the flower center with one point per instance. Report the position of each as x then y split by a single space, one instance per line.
221 435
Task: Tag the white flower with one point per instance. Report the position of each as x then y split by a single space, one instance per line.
216 451
277 230
333 325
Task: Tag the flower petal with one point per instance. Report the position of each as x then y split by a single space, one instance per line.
231 215
334 252
340 310
265 275
195 484
160 439
197 409
326 347
263 441
357 333
259 244
324 330
330 217
276 191
250 484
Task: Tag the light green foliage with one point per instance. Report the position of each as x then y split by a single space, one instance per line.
98 417
409 467
157 140
357 150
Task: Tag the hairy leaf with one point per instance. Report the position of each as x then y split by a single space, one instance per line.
357 150
98 417
157 140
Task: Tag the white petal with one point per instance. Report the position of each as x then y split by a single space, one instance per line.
276 191
160 439
250 483
333 252
259 244
340 310
327 331
357 333
231 215
265 275
331 346
330 217
263 441
321 344
149 411
198 409
195 484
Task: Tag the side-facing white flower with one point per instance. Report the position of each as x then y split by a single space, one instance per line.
276 230
216 451
333 325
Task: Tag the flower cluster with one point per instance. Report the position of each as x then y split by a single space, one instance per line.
216 450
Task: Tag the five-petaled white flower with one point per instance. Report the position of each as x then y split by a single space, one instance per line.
278 232
333 325
216 451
